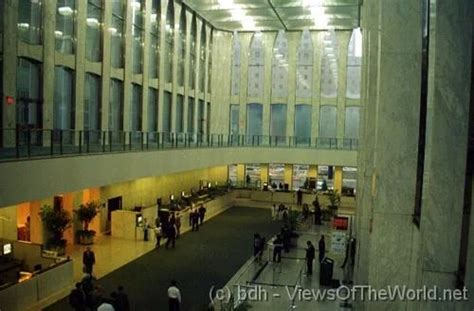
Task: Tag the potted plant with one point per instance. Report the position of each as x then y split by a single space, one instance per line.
86 213
334 199
56 221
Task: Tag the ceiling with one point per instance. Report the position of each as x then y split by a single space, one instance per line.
271 15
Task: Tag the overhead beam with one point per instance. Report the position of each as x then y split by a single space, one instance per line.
277 14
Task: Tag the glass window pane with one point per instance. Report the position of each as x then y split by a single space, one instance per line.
29 21
179 114
154 49
182 47
254 120
65 17
191 115
276 175
235 65
304 70
278 121
354 60
280 66
93 31
233 174
116 105
29 109
92 104
234 119
152 110
202 58
303 123
327 122
117 34
169 43
351 129
138 7
192 54
63 114
256 66
136 122
209 64
167 112
201 119
329 66
253 175
349 180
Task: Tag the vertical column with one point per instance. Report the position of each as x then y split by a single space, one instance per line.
197 65
49 24
80 66
174 75
146 60
266 99
316 97
338 179
206 67
446 144
289 175
264 172
10 16
161 74
293 41
106 59
313 172
128 68
189 20
240 173
245 39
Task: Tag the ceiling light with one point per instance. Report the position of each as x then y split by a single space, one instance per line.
136 5
226 4
23 25
112 30
65 11
58 33
92 22
153 17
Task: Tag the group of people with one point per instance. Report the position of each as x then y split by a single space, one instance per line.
280 213
196 217
311 254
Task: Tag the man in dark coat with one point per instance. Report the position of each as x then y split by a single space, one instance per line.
310 254
88 260
202 214
322 248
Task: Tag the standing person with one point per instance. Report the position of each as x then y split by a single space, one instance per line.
248 180
310 254
202 214
171 235
195 221
191 215
257 246
174 297
158 234
299 197
178 224
322 248
122 300
145 230
77 298
274 212
88 260
277 248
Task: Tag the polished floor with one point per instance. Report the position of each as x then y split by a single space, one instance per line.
200 261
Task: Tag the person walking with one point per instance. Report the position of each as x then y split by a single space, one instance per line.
310 254
299 197
88 260
322 248
277 248
258 243
171 236
158 235
145 230
174 297
274 212
178 225
202 214
195 221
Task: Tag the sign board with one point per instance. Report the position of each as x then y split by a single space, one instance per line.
338 242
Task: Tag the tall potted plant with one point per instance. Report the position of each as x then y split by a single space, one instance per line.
334 199
56 221
86 213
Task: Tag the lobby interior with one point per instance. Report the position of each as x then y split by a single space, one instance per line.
139 105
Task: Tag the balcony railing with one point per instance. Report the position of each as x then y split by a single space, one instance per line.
29 143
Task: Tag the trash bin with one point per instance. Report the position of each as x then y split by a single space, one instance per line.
326 271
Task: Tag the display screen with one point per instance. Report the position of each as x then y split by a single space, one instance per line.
7 249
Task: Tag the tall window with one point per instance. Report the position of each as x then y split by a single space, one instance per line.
179 114
254 121
29 21
329 62
92 104
235 64
116 105
276 174
167 112
65 19
202 58
209 64
351 127
29 109
152 110
201 118
349 180
181 46
138 26
136 108
154 49
234 120
303 124
304 69
354 60
256 66
327 125
192 54
208 117
117 34
232 173
93 31
63 113
169 43
191 110
278 123
254 172
280 66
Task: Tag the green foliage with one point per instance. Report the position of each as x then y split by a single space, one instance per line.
56 221
86 213
335 199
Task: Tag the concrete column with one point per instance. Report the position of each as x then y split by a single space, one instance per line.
240 173
264 173
446 145
177 14
161 73
338 179
189 19
266 100
146 64
106 59
80 58
128 69
289 175
8 115
49 25
206 72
